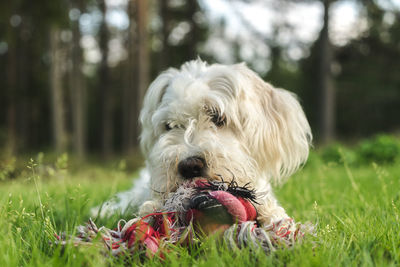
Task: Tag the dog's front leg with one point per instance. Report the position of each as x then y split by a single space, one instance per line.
268 208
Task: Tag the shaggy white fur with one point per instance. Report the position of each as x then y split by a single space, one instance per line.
243 128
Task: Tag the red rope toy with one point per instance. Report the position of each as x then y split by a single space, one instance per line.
197 208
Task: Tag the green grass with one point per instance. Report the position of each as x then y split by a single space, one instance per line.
356 211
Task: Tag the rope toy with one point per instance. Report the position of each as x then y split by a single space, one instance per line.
197 208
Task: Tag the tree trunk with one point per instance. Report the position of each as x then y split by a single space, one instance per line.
193 37
78 91
142 61
129 88
24 103
165 30
325 83
137 74
57 95
104 87
12 88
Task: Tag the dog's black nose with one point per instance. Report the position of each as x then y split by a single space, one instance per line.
192 167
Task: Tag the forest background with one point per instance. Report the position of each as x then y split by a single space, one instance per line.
73 72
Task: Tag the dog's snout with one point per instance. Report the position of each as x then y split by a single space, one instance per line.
192 167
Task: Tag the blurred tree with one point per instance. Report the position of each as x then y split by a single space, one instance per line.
318 91
104 86
39 68
326 89
77 86
367 84
142 63
137 73
12 88
369 78
58 57
165 31
182 33
315 81
24 33
128 122
44 92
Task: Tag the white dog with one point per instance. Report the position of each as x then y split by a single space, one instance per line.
220 122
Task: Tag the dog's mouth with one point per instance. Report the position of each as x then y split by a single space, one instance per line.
246 191
211 182
209 204
202 184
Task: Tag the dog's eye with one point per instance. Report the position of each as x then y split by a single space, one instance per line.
168 126
172 125
218 119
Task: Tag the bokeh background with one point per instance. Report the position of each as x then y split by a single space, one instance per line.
73 72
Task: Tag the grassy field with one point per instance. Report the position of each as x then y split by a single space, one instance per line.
356 210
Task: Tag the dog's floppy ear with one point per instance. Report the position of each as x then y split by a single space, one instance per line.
151 102
275 125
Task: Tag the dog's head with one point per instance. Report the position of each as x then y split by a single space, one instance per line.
220 122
